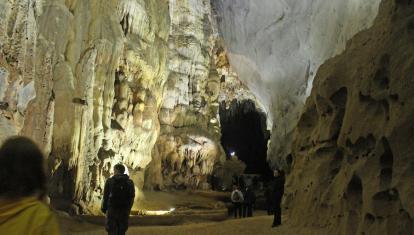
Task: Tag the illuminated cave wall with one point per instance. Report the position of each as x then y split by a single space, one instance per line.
188 146
96 83
84 79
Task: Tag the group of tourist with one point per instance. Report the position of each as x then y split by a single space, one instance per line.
243 200
23 200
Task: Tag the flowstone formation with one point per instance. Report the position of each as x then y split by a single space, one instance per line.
85 80
276 46
352 170
188 146
97 83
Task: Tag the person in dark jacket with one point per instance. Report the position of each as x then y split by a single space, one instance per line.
249 200
118 198
278 186
269 199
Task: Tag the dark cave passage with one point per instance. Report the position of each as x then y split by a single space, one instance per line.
244 132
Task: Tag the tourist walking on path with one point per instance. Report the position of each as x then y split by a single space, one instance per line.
118 198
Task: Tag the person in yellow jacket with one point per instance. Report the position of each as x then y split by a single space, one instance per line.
22 187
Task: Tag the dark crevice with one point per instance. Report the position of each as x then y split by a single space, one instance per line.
125 24
387 195
244 132
308 118
385 177
339 98
387 158
361 148
369 218
336 163
4 105
80 101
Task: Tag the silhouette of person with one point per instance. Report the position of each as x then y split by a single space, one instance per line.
118 198
278 186
22 190
249 200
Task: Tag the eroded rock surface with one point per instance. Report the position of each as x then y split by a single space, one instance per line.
188 146
276 47
352 170
97 83
85 80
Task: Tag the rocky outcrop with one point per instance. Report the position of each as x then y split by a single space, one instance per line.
352 170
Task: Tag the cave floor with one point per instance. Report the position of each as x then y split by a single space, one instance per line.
256 225
181 200
196 213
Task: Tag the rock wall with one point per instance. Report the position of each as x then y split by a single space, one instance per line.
85 80
188 146
352 170
98 83
276 47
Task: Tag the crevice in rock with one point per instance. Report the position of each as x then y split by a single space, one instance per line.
335 164
354 190
340 97
385 177
381 79
245 133
369 219
80 101
308 118
4 105
125 24
353 197
387 158
361 148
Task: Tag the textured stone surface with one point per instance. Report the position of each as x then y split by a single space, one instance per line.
97 83
85 80
140 82
276 46
188 146
352 166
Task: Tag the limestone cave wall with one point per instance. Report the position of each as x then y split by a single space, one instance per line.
85 80
188 146
97 83
352 167
276 47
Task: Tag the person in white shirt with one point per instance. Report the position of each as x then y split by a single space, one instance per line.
237 200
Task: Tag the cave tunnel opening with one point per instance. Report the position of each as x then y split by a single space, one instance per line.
244 132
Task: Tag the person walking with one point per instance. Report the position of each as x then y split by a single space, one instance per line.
23 189
237 200
278 186
118 198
